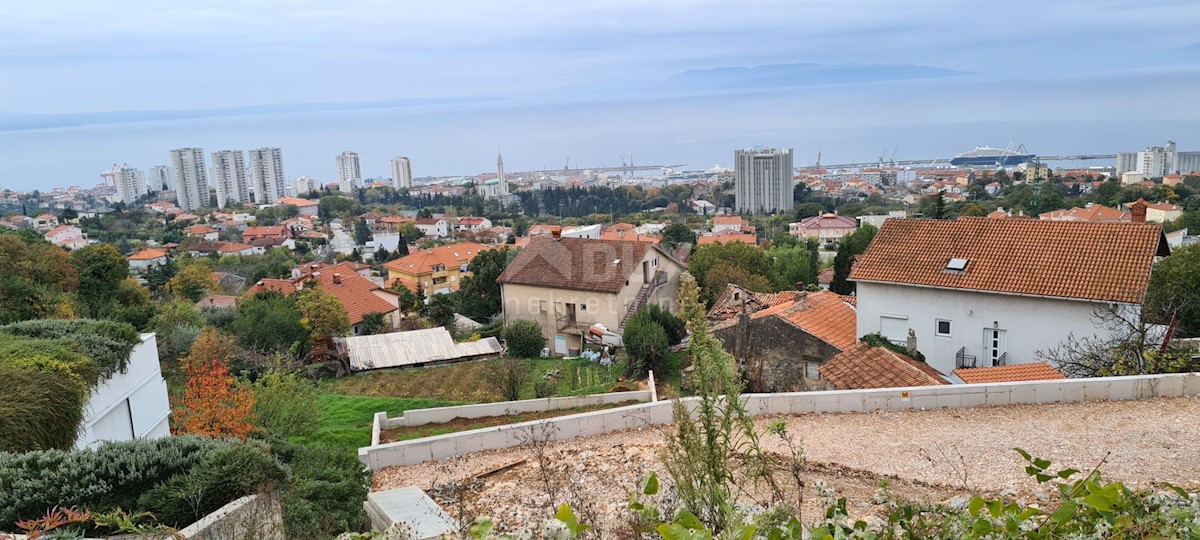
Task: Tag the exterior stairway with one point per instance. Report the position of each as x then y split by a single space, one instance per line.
638 302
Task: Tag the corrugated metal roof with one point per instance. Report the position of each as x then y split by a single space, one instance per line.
413 348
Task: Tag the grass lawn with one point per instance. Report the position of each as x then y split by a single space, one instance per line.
346 420
468 381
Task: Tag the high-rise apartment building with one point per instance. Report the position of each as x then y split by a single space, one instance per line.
266 174
302 185
349 174
131 184
401 172
191 178
763 180
229 175
161 179
1158 161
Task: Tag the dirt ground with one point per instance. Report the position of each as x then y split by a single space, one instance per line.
464 424
930 456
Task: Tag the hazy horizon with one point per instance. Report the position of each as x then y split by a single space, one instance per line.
448 84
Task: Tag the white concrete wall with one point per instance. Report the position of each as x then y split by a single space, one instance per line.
129 405
1032 324
834 401
439 415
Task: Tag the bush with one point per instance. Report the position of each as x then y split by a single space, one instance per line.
524 339
508 375
325 494
225 474
285 405
646 343
672 325
544 388
113 475
218 317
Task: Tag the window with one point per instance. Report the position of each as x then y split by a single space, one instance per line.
894 328
956 265
943 328
654 263
810 371
582 307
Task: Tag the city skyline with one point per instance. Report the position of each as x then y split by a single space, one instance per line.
671 81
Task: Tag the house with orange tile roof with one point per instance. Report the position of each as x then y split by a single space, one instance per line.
1158 212
307 207
1092 212
146 258
735 224
1033 371
783 345
434 227
433 271
274 231
977 292
473 223
863 366
202 231
827 228
358 294
393 223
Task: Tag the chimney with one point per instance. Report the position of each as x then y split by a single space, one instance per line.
556 233
337 279
1139 211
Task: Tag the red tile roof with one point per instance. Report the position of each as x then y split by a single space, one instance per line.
217 300
824 315
1037 371
1063 259
296 201
449 255
148 254
863 366
727 220
727 238
282 286
1091 212
577 264
827 221
356 293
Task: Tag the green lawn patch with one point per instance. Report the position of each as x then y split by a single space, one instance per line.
346 420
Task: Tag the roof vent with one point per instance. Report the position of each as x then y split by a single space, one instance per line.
956 265
616 262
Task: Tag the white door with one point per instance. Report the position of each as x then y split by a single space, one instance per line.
994 346
560 345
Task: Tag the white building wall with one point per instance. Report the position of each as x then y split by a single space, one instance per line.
349 173
1031 324
129 405
191 178
229 175
401 172
266 174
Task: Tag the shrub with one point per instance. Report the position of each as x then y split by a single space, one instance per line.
545 388
646 343
672 325
224 474
113 475
325 494
523 338
285 405
508 375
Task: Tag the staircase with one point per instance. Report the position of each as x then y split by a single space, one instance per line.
638 302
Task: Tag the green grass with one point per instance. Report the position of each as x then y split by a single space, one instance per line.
346 420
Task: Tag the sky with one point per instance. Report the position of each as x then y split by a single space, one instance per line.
450 82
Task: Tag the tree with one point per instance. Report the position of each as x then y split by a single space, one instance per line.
410 302
934 206
843 262
381 255
646 342
193 282
373 323
101 270
523 339
789 266
861 238
508 375
723 274
402 246
285 405
213 405
1173 288
270 321
210 345
362 232
440 310
678 233
323 315
332 206
479 293
745 262
1134 347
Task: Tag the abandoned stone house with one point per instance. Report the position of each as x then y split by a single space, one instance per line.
781 339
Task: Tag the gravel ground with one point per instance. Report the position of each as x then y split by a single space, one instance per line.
927 455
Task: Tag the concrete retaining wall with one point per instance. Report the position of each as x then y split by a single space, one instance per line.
438 415
837 401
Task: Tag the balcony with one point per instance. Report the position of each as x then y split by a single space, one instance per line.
964 360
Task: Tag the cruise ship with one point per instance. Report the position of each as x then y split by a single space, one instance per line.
986 156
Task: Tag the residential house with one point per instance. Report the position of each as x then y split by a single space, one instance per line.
540 229
201 249
975 292
1097 213
274 231
1158 212
146 258
45 222
727 236
781 344
217 301
19 222
435 271
358 294
307 207
828 229
393 223
864 366
434 227
1172 180
878 219
730 223
702 207
569 284
202 231
426 347
66 236
473 223
591 232
161 207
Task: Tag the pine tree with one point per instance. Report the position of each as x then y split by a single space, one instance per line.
842 264
402 247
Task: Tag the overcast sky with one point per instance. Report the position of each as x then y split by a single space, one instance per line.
68 57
